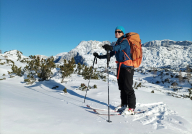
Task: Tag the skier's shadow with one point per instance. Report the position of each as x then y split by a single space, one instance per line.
87 98
59 88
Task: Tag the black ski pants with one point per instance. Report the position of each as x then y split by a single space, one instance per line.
125 83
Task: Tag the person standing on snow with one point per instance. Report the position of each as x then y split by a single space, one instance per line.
125 72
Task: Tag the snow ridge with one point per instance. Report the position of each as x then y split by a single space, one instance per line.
158 53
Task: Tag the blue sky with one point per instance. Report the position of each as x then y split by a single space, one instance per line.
49 27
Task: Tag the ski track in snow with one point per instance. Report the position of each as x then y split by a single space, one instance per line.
159 116
155 114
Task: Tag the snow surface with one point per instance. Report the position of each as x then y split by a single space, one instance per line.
39 109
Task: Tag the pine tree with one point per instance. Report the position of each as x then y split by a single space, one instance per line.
188 70
19 55
88 73
67 69
79 68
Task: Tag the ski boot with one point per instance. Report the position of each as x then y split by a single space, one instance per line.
128 111
120 108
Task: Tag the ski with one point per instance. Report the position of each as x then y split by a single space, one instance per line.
100 111
103 110
111 114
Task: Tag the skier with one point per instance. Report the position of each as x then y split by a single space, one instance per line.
125 72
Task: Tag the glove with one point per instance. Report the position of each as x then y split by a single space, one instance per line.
108 47
96 55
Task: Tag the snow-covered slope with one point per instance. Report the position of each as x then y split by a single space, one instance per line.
44 108
7 58
40 109
158 53
14 56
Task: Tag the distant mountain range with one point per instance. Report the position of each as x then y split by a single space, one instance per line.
166 43
157 53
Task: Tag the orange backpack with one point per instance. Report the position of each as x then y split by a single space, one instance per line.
136 51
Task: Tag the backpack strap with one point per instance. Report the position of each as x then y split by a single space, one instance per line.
126 54
127 62
121 42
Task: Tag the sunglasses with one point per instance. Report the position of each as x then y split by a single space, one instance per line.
118 31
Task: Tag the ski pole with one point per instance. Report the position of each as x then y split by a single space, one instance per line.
108 59
95 59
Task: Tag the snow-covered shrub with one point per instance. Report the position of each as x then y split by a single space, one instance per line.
65 90
24 60
29 81
190 92
82 87
188 71
39 68
157 82
94 86
167 80
102 76
136 86
16 70
11 76
8 61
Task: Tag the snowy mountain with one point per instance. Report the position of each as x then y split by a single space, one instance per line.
8 58
166 43
167 53
158 53
42 56
83 53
